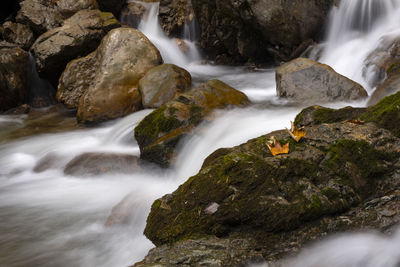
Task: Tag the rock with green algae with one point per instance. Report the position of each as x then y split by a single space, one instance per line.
342 176
244 189
159 133
386 114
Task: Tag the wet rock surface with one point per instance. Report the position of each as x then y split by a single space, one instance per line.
13 75
174 14
240 31
159 133
162 84
343 175
94 164
124 56
79 35
307 81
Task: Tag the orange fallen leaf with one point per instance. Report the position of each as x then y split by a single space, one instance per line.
296 133
276 148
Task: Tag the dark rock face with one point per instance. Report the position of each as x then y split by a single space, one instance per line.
258 30
113 6
132 14
13 75
307 81
174 14
93 164
345 174
163 83
8 9
159 133
44 15
18 34
78 36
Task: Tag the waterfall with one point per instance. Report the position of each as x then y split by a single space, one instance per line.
175 51
355 29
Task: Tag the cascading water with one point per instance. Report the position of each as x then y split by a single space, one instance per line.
51 219
355 29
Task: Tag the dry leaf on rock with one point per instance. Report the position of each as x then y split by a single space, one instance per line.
296 133
276 148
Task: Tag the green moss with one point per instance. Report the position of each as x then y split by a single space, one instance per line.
196 115
153 125
157 204
393 68
386 114
321 115
368 163
330 193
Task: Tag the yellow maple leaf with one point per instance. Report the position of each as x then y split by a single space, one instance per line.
276 148
296 133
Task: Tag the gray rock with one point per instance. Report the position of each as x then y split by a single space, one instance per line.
93 164
124 56
18 34
307 81
162 84
132 14
79 35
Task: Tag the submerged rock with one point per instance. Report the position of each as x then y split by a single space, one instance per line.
18 34
93 164
13 75
307 81
79 35
159 133
123 211
162 84
124 56
241 31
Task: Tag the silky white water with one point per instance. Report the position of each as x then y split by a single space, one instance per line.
50 219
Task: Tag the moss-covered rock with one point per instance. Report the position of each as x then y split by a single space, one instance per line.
159 132
245 189
386 114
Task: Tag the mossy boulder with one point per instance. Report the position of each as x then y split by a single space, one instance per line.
385 114
389 86
79 35
163 83
307 81
246 190
109 86
159 133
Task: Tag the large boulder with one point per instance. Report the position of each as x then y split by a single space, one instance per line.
389 86
124 56
18 34
44 15
344 175
307 81
79 35
162 84
13 75
159 133
259 30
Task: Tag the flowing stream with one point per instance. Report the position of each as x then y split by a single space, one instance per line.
52 219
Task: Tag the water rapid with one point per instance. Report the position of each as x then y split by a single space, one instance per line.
51 219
